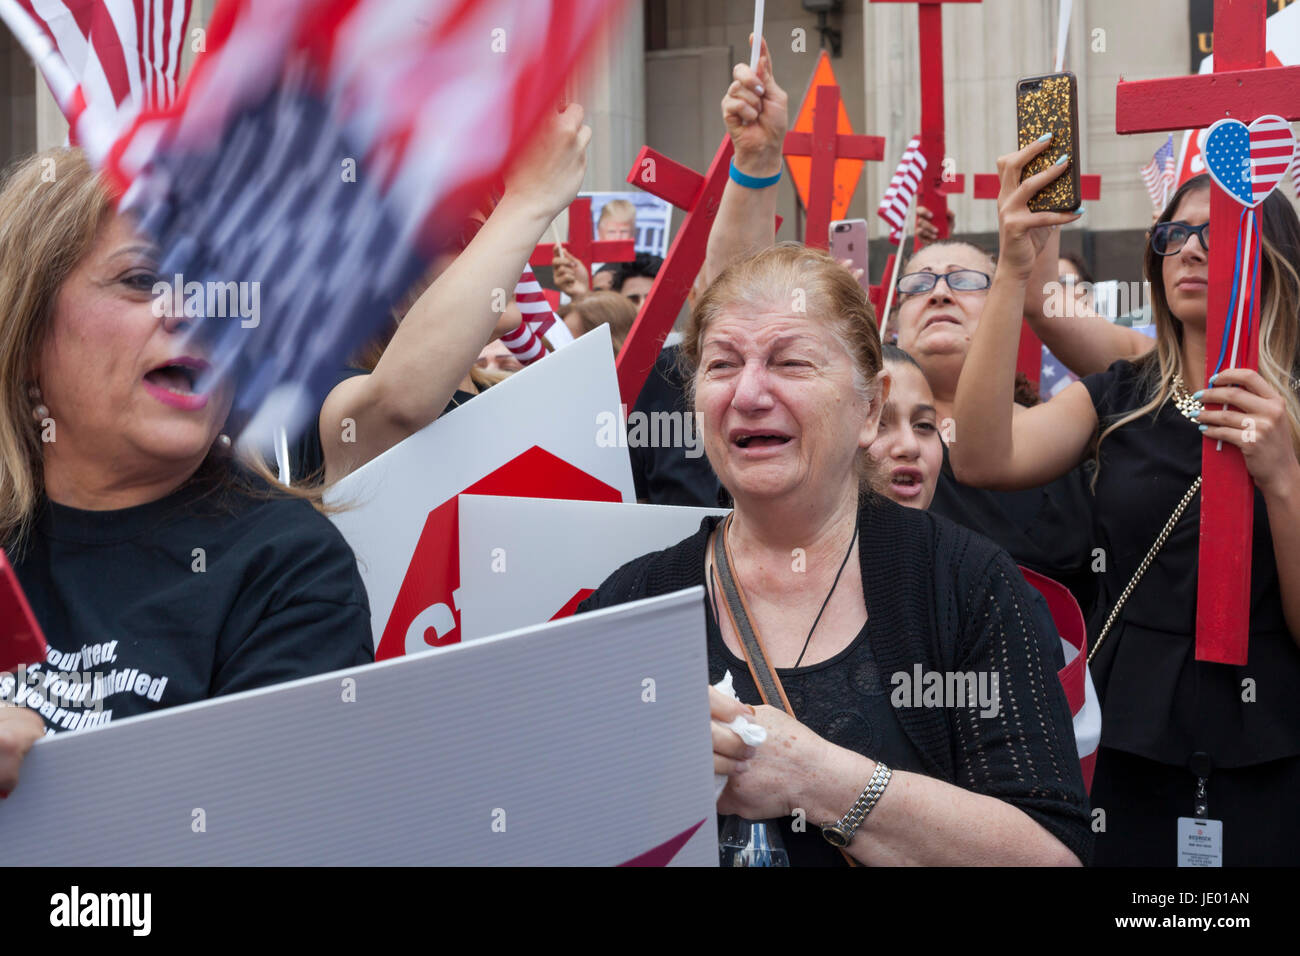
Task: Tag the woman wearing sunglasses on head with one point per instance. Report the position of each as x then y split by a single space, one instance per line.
1176 732
942 295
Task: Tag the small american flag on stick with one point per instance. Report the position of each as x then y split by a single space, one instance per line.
525 342
902 188
1158 174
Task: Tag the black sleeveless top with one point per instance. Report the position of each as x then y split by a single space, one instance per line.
1158 701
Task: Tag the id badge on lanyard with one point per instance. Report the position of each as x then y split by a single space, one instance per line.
1200 839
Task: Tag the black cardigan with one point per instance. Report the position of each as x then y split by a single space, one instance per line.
953 601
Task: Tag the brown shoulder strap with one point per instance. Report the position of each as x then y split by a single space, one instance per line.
765 679
769 685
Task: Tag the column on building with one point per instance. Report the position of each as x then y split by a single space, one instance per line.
611 88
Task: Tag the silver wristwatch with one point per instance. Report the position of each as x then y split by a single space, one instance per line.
840 833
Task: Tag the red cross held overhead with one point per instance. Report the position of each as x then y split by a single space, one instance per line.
987 186
934 189
581 246
825 144
1240 87
698 196
876 293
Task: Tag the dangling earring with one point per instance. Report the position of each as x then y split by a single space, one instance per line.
39 411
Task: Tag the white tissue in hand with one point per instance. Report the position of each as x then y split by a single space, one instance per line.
752 734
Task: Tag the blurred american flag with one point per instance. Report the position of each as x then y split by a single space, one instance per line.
325 150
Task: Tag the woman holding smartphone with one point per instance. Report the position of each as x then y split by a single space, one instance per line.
1180 737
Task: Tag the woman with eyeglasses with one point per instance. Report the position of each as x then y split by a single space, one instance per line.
942 295
1181 738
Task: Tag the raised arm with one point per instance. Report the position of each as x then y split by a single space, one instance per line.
998 445
442 334
1082 340
754 111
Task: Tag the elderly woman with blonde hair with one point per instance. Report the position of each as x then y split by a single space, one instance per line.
838 603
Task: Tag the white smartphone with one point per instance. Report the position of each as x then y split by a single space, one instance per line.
848 240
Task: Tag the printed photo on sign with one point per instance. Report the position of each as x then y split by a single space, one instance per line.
636 215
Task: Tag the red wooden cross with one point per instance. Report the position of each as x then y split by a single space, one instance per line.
825 145
987 186
876 293
1030 357
1240 87
934 189
698 196
581 245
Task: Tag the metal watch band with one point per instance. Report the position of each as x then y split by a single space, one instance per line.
840 833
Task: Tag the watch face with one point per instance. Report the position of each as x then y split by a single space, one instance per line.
835 836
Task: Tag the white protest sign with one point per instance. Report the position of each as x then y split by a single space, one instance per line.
534 434
582 742
526 560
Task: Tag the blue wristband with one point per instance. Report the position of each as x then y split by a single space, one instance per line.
753 182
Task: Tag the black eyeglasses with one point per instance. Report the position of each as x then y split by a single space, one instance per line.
961 280
1168 238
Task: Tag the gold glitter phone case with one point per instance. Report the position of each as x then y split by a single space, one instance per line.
1049 104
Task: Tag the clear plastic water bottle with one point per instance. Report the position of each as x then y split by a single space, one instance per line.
751 843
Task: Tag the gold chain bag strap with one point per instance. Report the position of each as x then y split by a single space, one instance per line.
1146 563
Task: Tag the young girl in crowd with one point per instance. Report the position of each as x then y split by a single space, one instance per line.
908 450
1176 731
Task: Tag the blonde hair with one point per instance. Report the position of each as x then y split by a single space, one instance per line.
605 308
52 206
1279 326
623 210
786 275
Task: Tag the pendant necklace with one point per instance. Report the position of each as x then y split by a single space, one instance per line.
852 541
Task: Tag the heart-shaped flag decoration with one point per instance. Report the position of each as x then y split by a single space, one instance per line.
1249 161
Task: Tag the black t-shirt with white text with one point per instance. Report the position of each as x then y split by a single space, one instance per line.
207 591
